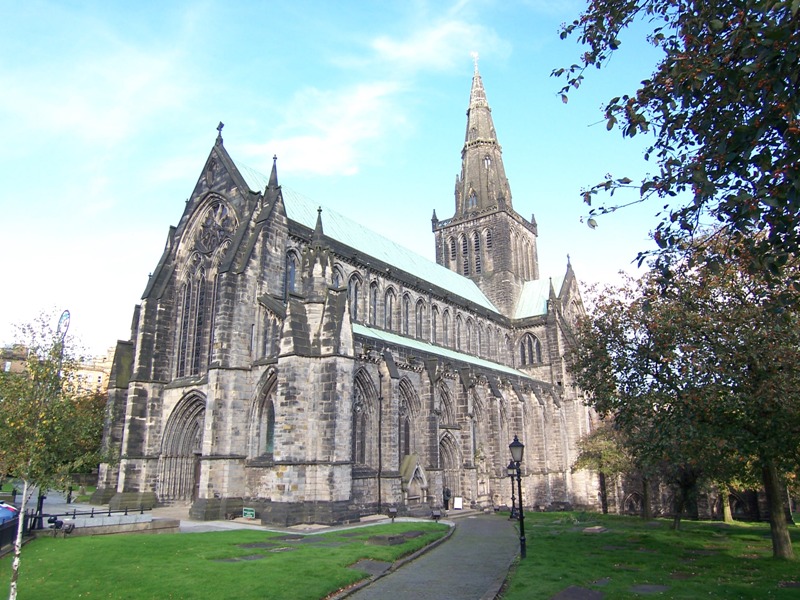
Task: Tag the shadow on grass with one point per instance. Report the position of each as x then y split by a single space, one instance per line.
230 564
617 555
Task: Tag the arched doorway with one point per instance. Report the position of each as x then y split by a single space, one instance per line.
450 463
179 464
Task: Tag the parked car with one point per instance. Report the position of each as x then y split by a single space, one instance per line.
8 511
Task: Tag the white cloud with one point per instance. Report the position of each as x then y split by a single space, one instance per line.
101 96
439 48
329 132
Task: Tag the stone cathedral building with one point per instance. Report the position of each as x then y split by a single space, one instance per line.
287 359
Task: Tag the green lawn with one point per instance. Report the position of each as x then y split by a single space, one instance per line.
216 565
703 560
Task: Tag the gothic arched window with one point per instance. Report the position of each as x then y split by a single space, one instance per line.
364 420
472 199
530 350
452 243
446 328
337 277
353 295
488 239
291 273
419 314
199 325
434 324
406 314
373 303
388 309
183 340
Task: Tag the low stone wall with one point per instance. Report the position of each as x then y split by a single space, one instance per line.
106 526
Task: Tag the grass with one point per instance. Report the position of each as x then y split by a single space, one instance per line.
703 559
206 565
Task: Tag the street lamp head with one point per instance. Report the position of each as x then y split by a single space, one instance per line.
511 469
516 447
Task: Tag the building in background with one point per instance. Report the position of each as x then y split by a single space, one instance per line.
288 359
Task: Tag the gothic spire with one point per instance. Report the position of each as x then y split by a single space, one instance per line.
482 184
318 232
273 176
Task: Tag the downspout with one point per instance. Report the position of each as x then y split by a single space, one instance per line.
380 435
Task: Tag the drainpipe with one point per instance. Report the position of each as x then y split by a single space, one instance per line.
380 435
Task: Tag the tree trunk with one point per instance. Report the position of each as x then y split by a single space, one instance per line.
647 508
775 491
12 592
678 506
727 513
603 492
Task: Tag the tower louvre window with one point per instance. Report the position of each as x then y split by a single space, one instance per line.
452 249
476 248
488 239
464 256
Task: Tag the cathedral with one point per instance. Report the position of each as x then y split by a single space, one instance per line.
285 359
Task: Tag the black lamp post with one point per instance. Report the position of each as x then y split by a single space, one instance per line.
511 469
517 448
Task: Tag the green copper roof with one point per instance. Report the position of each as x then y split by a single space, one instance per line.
398 340
533 299
368 243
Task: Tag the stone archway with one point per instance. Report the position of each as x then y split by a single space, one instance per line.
450 463
181 446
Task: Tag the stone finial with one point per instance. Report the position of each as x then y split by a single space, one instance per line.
219 132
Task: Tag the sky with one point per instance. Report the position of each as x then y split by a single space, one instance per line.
109 110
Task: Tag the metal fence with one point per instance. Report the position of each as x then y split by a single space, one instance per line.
8 531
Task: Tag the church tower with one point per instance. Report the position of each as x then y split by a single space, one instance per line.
486 239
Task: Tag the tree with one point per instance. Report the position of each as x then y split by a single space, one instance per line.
48 428
604 452
702 377
722 106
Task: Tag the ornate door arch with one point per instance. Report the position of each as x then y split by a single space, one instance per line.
181 447
450 463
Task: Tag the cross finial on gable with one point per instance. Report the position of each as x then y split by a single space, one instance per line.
219 132
475 60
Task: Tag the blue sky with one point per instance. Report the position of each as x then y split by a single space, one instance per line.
109 109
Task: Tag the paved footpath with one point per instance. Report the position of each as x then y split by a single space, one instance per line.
472 564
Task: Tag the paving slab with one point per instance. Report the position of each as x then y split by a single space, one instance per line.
575 592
